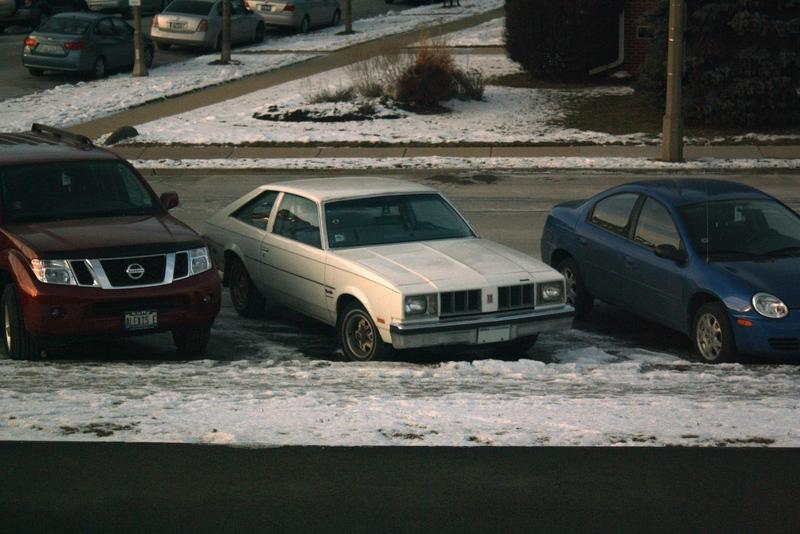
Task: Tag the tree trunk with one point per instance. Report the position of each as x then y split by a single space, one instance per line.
225 58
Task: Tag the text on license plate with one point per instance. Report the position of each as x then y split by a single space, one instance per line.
177 25
494 334
265 7
50 49
141 320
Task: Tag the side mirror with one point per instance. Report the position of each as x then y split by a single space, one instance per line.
169 200
671 253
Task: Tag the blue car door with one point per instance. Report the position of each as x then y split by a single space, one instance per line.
600 237
654 286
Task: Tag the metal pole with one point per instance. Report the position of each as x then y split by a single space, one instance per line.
348 17
139 66
672 149
226 32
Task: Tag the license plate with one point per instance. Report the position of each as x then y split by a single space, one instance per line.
177 25
50 49
265 7
141 320
494 334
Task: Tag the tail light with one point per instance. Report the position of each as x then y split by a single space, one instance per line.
74 45
30 42
288 7
203 26
155 21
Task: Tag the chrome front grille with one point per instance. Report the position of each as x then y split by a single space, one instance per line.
516 297
459 302
131 272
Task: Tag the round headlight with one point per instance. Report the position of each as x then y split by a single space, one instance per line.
770 306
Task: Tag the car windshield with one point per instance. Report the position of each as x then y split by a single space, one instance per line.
736 230
189 7
72 190
64 25
392 219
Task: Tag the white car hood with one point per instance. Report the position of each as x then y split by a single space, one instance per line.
445 264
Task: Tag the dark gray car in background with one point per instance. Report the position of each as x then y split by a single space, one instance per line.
88 43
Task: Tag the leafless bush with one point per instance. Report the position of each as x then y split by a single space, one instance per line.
471 84
332 94
377 76
430 79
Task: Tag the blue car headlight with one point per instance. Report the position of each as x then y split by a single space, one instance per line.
770 306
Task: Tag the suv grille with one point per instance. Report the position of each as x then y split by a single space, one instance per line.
515 297
82 272
785 343
117 270
181 265
460 302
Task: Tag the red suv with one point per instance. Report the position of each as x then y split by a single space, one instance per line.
88 249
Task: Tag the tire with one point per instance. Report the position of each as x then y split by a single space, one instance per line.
359 337
149 56
192 340
305 25
577 295
260 33
246 298
517 347
35 72
712 335
99 71
163 46
337 18
18 343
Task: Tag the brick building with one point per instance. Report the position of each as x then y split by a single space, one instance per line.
637 35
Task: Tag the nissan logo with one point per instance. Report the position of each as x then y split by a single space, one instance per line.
135 271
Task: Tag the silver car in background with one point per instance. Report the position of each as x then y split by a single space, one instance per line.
199 23
300 15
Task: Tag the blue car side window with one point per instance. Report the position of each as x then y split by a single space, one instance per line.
655 226
614 213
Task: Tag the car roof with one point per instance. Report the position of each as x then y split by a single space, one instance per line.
346 187
685 191
37 147
86 15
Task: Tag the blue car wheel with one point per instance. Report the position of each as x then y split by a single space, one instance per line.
713 338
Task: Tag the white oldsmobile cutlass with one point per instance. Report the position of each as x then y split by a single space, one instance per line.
391 264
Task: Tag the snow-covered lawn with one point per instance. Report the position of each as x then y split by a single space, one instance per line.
507 115
487 34
69 104
580 388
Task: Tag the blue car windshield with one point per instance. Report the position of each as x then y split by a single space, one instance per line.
737 230
392 219
65 26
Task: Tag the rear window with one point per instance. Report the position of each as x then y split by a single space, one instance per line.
65 25
189 7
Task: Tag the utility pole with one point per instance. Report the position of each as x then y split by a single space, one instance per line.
226 33
672 149
348 17
139 66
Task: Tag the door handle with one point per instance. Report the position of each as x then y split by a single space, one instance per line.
264 250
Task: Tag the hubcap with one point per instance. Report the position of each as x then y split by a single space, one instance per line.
7 326
709 337
360 336
572 285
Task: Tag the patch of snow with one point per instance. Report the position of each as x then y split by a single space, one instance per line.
487 34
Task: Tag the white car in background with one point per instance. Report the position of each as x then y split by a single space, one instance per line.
301 15
391 264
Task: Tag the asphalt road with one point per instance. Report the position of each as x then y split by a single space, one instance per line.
16 81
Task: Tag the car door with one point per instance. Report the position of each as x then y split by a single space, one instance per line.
127 50
599 239
239 23
109 44
654 286
249 225
293 258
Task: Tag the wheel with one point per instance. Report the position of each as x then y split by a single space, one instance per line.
192 340
712 334
337 18
18 342
305 25
99 70
149 55
518 347
163 46
35 72
359 336
577 295
259 36
247 300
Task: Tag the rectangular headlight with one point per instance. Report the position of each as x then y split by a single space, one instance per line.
53 272
420 305
551 292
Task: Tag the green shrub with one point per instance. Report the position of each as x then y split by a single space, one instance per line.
562 39
742 62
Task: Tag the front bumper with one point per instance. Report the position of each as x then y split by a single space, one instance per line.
476 330
193 301
768 337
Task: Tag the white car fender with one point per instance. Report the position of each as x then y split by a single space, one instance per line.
378 306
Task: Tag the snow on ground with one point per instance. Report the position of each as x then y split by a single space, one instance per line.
71 104
284 387
438 162
390 23
487 34
507 115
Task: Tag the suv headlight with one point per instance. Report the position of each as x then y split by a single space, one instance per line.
53 272
199 260
770 306
551 292
420 305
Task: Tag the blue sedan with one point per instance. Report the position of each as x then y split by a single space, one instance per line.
716 260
